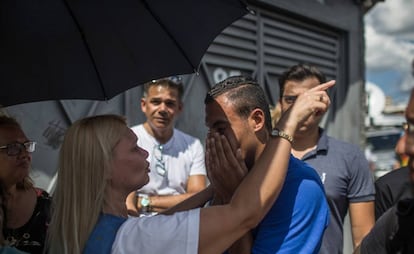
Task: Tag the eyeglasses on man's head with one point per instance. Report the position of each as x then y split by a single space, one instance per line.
17 148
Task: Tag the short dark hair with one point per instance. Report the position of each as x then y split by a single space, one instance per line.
300 72
246 95
165 82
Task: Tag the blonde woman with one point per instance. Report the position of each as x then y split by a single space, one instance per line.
100 164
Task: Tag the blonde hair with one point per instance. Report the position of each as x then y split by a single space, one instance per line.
84 168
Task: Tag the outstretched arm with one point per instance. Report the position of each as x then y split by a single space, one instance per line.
195 184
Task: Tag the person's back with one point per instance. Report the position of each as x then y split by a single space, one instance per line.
395 185
392 233
391 188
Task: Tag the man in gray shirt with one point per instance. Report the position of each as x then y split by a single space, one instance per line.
343 168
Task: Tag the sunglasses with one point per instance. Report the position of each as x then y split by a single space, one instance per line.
174 79
408 128
159 160
17 148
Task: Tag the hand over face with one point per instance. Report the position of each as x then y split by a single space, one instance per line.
225 167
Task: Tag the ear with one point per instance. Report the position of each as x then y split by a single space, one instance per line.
180 106
257 119
143 104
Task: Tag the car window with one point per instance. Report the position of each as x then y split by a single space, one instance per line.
384 142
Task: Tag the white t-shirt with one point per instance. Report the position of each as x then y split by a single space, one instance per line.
182 155
177 233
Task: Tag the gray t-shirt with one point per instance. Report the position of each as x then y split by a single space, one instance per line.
345 173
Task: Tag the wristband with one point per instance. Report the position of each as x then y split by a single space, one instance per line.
281 134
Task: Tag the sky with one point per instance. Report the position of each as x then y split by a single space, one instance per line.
389 44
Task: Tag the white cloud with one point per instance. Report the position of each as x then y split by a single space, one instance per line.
393 17
389 39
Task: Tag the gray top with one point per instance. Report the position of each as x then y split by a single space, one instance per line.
345 173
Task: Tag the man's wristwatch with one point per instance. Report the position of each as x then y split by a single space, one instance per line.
145 204
282 134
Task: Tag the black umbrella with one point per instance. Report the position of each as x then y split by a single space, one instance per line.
96 49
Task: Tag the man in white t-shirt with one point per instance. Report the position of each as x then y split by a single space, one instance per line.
176 158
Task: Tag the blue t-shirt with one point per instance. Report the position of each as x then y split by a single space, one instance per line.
297 220
103 235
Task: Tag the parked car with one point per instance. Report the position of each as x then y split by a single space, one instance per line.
380 149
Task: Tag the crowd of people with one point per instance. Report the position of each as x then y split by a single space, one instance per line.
263 183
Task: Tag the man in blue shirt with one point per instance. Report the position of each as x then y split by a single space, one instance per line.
237 108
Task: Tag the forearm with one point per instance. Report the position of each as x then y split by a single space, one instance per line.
130 203
161 203
357 250
197 200
362 220
243 245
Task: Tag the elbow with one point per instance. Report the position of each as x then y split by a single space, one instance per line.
251 220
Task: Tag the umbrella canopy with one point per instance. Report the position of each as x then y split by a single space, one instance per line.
96 49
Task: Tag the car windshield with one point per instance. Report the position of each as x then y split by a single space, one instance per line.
384 142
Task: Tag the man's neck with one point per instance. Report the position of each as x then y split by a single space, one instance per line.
161 135
261 144
304 143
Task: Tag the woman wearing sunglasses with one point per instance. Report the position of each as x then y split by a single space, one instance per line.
26 207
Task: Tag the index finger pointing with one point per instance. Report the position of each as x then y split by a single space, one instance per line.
324 86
